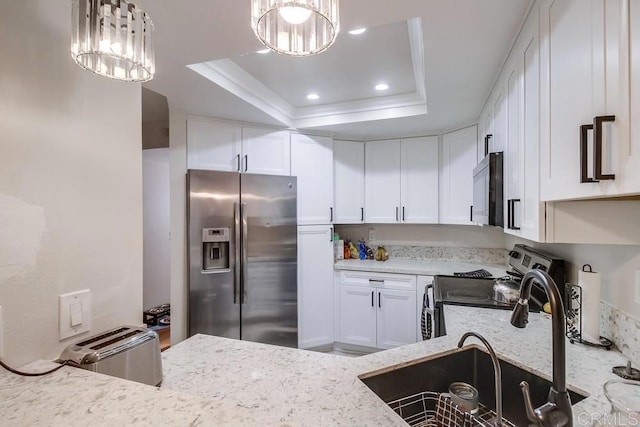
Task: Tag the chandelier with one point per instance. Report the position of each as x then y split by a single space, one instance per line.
113 38
295 27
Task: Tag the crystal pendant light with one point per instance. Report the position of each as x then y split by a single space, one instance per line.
113 38
295 27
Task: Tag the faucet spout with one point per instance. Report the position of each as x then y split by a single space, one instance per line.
496 369
557 411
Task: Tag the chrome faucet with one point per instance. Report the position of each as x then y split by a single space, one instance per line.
557 411
497 374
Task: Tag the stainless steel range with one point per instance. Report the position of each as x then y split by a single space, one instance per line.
480 291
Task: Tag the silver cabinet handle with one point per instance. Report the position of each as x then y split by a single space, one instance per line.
331 214
397 213
246 162
238 162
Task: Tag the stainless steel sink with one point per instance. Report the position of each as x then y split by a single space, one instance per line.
471 365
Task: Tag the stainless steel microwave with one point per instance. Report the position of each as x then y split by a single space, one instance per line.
488 200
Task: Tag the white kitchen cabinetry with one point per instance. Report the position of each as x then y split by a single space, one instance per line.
376 309
382 181
315 286
456 175
265 151
401 181
524 213
312 164
348 182
584 69
226 146
419 180
213 145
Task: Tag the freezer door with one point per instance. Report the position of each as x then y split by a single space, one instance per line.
213 213
269 274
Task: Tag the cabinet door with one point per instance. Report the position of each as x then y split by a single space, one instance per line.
456 179
513 146
315 286
213 145
499 135
419 180
348 182
312 164
529 212
357 315
382 182
396 318
578 77
265 151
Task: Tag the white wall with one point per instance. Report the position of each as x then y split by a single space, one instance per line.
155 208
466 236
70 184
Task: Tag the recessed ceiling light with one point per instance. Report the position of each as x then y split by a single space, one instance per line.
264 51
313 96
382 86
357 31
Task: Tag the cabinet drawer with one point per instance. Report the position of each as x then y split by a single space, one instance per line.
378 280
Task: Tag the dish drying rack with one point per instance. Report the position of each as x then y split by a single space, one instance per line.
573 313
432 409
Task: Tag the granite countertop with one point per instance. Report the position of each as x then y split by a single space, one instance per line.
217 381
417 266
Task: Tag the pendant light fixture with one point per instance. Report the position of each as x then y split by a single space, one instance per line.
295 27
113 38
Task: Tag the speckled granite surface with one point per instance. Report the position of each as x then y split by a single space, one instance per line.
417 266
623 330
436 253
216 381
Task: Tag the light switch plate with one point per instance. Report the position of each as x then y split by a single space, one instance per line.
78 304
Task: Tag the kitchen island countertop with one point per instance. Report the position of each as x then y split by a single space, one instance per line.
217 381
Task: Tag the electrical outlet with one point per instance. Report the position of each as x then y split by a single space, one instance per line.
372 234
637 287
1 330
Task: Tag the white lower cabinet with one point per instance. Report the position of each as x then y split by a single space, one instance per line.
315 286
376 309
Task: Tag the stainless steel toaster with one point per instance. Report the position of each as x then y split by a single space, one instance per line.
128 352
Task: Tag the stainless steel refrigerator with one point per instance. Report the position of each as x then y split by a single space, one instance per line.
242 257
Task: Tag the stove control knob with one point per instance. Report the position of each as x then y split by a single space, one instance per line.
537 266
514 254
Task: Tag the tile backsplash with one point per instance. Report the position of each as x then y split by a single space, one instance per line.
623 330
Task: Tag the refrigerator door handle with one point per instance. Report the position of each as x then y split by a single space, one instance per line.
237 240
245 258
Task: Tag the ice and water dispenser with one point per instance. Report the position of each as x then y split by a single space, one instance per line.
215 248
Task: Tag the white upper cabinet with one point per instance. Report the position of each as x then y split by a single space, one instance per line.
401 181
348 182
382 181
265 151
419 180
213 145
226 146
312 164
523 209
459 157
584 85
